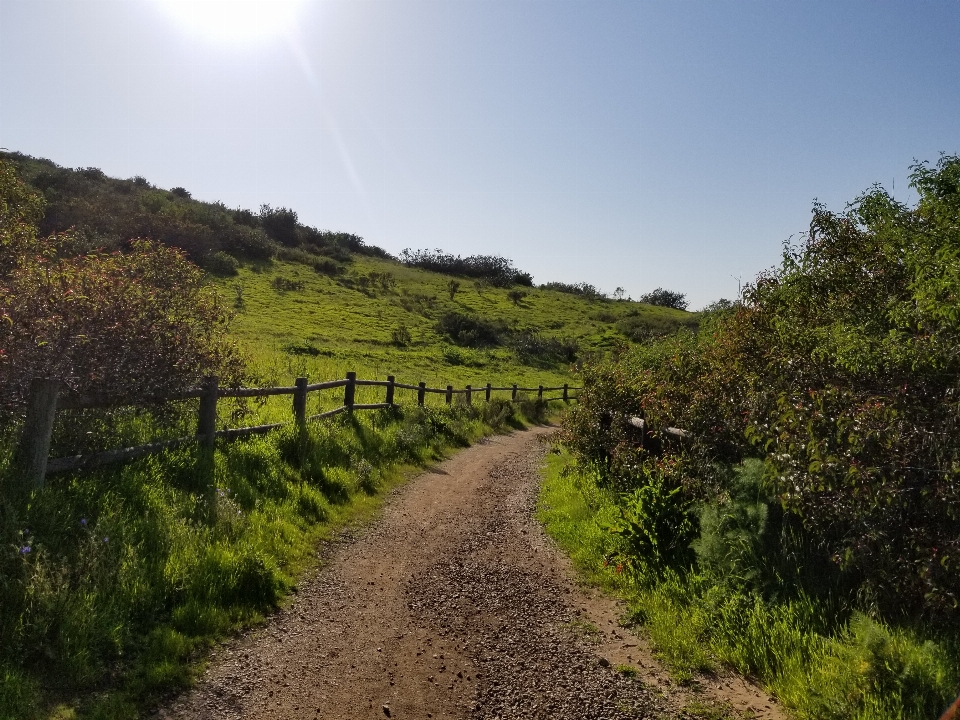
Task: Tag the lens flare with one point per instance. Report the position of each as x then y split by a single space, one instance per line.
234 21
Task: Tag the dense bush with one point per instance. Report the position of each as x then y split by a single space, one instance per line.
640 326
534 349
471 331
125 325
106 212
665 298
839 370
583 289
498 271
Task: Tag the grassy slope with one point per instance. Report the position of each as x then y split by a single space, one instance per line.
351 327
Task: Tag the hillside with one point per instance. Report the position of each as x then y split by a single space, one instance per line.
318 302
382 317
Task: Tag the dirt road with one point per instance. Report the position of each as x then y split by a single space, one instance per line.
454 604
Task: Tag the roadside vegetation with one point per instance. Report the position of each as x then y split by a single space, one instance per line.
804 528
113 582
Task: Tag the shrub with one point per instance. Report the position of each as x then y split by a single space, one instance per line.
497 413
280 224
582 289
126 325
665 298
839 368
327 266
516 296
534 349
498 271
400 336
222 264
286 285
470 331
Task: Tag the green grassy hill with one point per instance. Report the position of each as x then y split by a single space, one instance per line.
294 321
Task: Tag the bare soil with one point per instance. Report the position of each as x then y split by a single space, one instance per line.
453 604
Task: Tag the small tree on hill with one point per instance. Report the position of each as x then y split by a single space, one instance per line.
665 298
452 288
516 296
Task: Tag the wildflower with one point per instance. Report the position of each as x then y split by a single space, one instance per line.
106 538
83 521
25 550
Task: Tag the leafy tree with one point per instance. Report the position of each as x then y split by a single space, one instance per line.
665 298
452 287
124 325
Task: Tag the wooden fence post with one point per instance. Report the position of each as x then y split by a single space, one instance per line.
449 394
469 394
390 389
540 393
513 395
350 391
488 392
421 393
300 402
34 449
207 420
566 393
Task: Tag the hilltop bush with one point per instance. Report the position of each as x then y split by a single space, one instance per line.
665 298
498 271
582 289
106 212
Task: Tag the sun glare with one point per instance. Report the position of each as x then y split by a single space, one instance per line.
233 20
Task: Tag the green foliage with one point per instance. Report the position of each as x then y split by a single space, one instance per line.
400 335
222 264
583 289
839 369
286 285
534 349
816 664
452 287
665 298
498 271
655 526
516 296
470 331
106 213
497 413
140 323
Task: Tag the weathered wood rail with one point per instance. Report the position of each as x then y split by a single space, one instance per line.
33 452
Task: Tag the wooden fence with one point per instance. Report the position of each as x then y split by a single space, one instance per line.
33 453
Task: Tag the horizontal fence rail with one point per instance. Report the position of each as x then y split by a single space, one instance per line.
33 451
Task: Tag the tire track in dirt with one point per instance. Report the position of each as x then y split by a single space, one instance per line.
454 604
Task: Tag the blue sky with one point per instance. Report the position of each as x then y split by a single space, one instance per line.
633 144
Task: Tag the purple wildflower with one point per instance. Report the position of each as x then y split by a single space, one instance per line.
25 549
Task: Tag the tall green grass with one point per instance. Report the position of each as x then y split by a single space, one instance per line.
112 583
818 667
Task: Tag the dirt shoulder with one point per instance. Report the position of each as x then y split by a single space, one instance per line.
454 604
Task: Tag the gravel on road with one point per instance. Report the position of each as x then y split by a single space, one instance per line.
452 604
